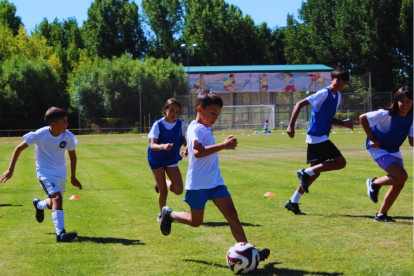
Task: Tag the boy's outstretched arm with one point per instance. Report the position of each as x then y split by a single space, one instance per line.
365 125
73 161
291 127
410 140
200 151
9 173
348 124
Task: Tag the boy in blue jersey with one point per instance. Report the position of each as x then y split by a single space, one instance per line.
204 181
324 103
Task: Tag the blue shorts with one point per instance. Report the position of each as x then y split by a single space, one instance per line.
197 199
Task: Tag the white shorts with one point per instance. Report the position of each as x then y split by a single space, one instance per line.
172 166
52 184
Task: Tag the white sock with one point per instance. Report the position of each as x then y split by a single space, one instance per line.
42 204
58 220
296 197
309 171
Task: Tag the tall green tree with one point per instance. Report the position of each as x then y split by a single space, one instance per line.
8 16
224 35
364 36
164 18
113 27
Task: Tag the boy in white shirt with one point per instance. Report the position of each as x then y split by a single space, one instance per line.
51 144
204 181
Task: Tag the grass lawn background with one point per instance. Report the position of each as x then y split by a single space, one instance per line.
118 232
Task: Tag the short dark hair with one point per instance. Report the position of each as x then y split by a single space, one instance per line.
340 73
290 75
207 98
54 115
168 103
404 90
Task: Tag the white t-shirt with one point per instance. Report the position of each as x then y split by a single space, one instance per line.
382 119
204 172
51 151
316 100
155 130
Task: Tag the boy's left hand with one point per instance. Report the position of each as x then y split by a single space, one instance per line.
349 124
76 183
184 153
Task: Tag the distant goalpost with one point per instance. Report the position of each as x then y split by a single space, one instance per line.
246 117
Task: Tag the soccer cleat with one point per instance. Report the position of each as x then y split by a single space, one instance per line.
383 218
294 207
159 218
264 254
40 214
156 188
66 237
304 178
166 220
372 189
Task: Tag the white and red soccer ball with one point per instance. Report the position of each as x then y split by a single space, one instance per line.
242 258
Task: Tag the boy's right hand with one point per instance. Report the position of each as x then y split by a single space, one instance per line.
374 143
6 176
230 142
168 146
290 131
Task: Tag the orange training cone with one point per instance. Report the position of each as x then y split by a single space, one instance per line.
74 197
269 194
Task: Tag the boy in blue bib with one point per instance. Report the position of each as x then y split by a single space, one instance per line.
322 154
389 129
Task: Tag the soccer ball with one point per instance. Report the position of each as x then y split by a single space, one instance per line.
242 258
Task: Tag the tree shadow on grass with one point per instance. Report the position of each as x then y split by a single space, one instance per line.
108 240
270 269
220 224
8 205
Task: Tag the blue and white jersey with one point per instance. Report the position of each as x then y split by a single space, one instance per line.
166 133
324 105
391 132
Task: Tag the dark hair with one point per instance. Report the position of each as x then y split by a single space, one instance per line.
168 103
401 93
341 74
231 75
311 75
54 115
290 75
207 98
266 121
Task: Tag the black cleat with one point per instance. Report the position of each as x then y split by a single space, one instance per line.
63 237
166 220
294 207
264 254
156 188
383 218
304 178
40 214
372 189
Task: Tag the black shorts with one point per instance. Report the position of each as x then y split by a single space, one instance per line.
319 153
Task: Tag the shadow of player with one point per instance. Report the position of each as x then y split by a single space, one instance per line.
108 240
9 205
270 269
220 224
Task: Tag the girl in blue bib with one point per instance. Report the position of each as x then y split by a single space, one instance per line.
389 129
167 135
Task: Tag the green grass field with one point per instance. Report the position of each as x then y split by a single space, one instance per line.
119 235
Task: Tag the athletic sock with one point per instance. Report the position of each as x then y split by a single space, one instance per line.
42 204
58 221
171 214
296 197
309 171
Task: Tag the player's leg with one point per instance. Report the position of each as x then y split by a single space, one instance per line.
226 207
176 184
336 164
232 89
194 219
159 176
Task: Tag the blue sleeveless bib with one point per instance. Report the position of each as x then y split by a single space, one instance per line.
395 137
321 121
163 158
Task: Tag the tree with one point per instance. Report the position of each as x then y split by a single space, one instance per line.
164 18
364 36
113 28
8 16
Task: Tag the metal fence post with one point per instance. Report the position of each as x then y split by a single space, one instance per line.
140 109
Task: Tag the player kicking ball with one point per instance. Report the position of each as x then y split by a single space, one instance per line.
322 154
204 181
51 143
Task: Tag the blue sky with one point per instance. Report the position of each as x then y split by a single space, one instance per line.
32 12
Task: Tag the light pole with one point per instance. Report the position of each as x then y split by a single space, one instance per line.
188 75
